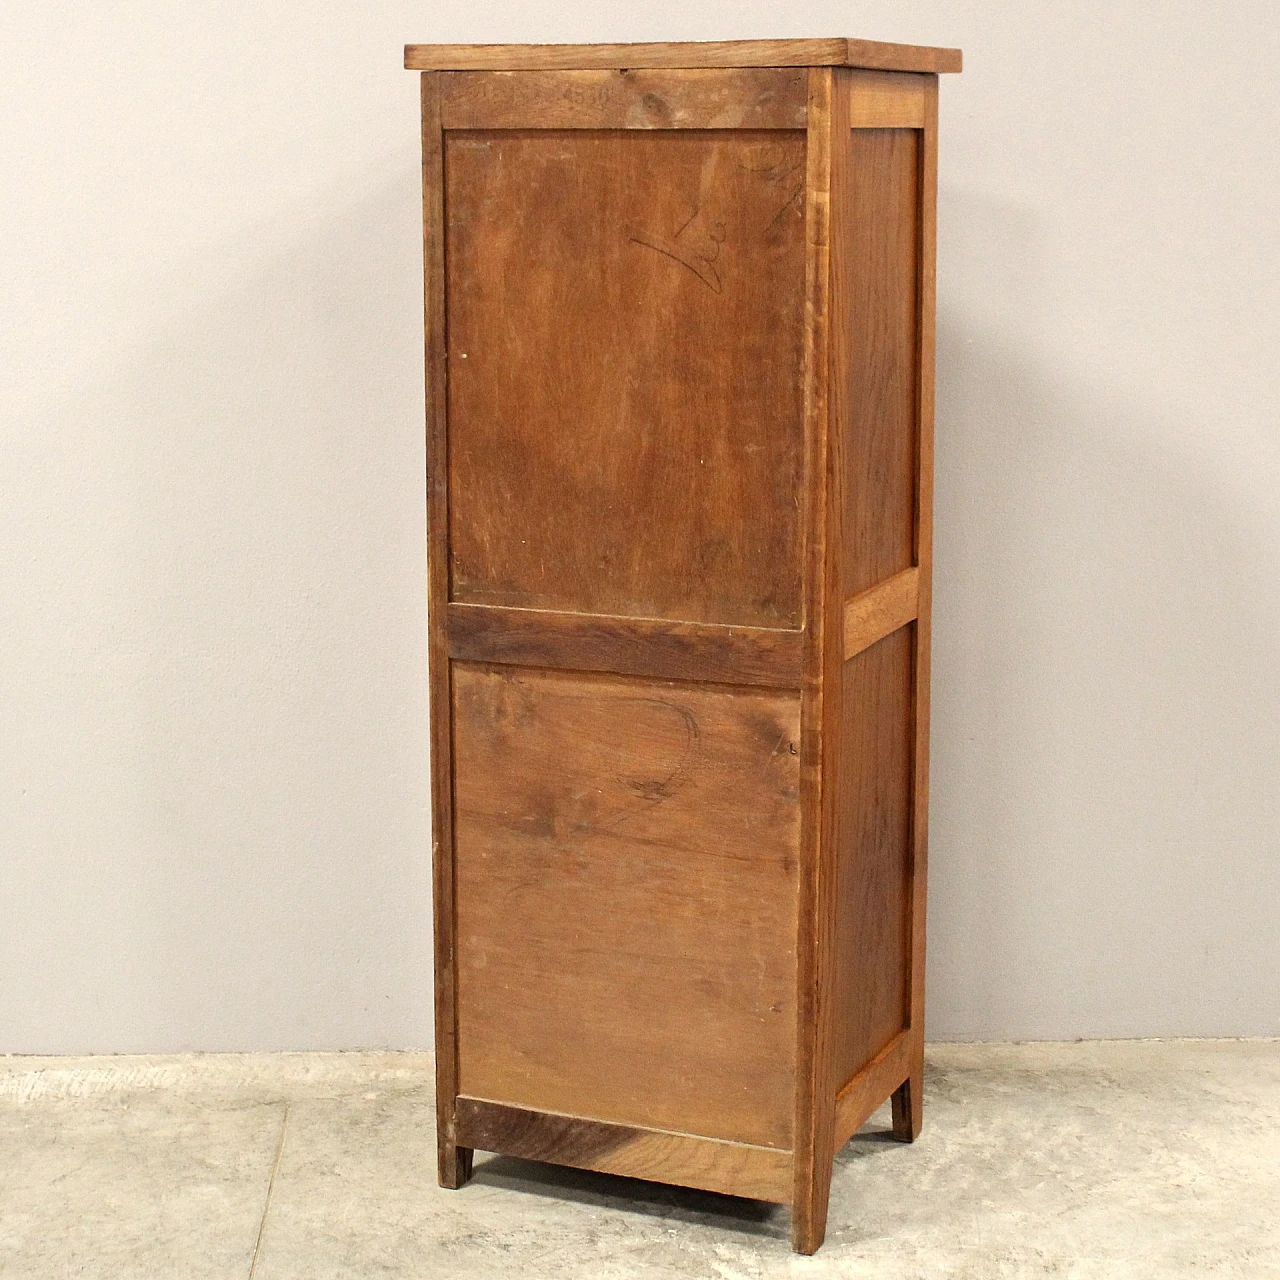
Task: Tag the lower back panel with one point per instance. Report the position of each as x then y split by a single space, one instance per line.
626 899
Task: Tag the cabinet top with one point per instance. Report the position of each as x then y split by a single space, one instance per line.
870 54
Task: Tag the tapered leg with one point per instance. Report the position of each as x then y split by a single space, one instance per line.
908 1106
809 1212
455 1164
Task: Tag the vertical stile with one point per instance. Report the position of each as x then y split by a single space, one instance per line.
454 1164
814 1089
907 1101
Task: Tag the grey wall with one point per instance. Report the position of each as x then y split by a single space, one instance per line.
213 799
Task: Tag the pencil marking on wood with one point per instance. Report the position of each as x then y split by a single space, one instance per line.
702 267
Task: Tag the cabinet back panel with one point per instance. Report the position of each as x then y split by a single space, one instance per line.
624 328
625 872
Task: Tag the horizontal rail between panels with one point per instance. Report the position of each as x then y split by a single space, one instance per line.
871 1087
656 647
880 611
659 1155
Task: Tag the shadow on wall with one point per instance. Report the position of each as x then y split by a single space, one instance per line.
226 802
1106 725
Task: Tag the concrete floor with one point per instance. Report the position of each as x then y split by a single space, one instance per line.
1121 1159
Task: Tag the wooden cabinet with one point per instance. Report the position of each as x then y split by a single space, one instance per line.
679 353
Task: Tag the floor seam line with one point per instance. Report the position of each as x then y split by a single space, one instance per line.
271 1186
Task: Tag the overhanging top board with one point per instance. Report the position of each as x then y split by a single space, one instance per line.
874 55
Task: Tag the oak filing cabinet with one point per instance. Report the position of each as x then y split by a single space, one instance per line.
679 349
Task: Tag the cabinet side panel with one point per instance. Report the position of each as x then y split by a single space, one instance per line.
626 855
877 271
625 333
873 874
880 256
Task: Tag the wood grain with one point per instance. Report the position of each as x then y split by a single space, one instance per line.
880 610
880 230
886 100
732 1168
736 98
626 890
625 393
626 646
872 944
709 53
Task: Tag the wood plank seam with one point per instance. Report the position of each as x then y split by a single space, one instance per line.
881 610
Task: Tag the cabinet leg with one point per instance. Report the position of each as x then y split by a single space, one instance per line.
908 1106
809 1212
455 1164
